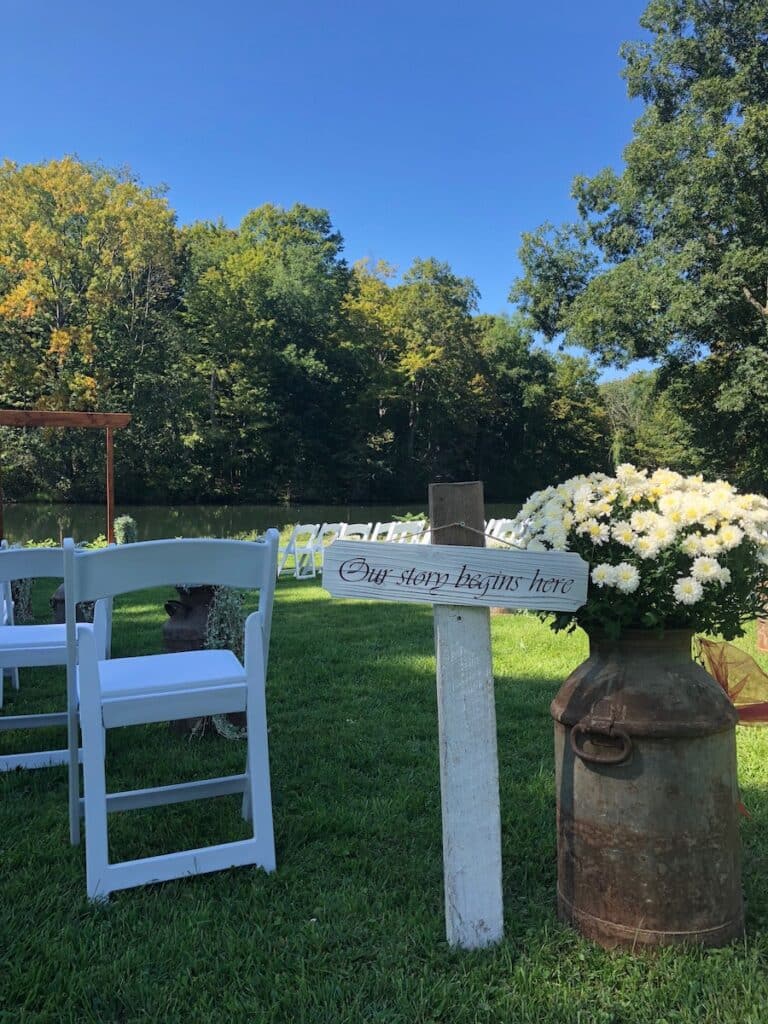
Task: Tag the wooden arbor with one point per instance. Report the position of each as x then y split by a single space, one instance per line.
107 421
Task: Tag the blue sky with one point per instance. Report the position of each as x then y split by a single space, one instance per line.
427 129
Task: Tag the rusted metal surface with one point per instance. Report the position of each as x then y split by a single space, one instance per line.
647 819
762 634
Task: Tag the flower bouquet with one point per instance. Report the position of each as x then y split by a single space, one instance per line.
666 551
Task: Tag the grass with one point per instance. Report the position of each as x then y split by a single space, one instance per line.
350 929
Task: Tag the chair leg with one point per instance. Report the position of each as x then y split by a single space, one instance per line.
95 792
15 678
73 745
258 787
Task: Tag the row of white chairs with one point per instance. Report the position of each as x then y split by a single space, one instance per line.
305 547
106 693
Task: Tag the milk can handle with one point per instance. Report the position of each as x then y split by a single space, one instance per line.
616 757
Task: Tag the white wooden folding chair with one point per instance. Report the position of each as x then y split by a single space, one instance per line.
508 530
300 547
407 532
40 646
356 531
327 534
381 531
163 687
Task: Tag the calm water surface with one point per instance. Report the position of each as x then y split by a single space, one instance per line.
25 522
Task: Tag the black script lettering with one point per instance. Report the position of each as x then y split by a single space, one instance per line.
357 570
549 584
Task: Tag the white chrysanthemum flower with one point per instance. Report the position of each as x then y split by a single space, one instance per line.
665 479
604 575
646 547
693 509
691 545
730 536
558 539
663 532
641 521
724 577
535 545
627 578
687 590
624 534
710 544
554 533
705 568
598 533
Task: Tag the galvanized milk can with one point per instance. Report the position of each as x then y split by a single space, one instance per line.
648 848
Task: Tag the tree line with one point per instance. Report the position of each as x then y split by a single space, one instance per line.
259 365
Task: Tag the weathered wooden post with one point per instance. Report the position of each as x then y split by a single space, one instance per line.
469 765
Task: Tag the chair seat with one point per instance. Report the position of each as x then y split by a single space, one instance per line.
164 673
14 637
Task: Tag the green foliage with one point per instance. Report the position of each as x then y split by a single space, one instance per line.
647 426
125 530
226 621
669 258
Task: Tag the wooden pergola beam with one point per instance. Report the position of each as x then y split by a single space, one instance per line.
45 418
108 421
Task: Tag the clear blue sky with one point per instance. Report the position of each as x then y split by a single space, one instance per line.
425 128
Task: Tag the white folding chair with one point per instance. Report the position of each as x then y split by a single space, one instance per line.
40 646
381 531
163 687
356 531
407 532
327 534
300 547
508 530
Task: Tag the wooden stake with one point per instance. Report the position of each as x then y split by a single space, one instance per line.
110 489
469 764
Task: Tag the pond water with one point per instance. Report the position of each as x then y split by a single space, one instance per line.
25 522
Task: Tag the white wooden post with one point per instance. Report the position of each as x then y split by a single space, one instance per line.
469 764
462 580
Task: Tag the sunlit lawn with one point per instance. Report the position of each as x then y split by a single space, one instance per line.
350 928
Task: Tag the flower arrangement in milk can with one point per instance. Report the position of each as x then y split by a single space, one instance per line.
666 551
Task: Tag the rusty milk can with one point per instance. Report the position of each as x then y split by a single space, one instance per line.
648 849
185 628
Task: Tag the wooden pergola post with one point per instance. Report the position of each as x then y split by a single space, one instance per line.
107 421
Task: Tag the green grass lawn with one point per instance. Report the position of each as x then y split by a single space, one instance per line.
350 928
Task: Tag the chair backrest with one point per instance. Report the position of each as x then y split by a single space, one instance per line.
328 533
121 569
508 530
381 531
304 533
31 563
356 531
406 533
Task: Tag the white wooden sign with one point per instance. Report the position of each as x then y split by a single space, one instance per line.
447 574
463 582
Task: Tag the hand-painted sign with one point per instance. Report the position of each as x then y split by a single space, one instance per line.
442 574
